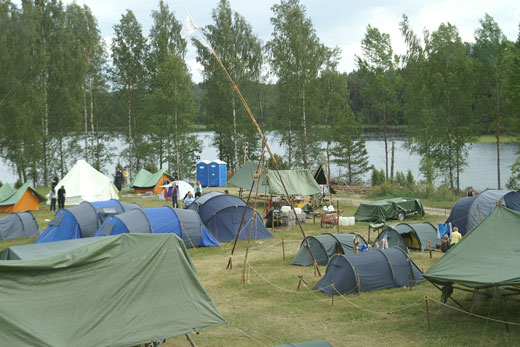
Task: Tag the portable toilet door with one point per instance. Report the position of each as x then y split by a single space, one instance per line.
203 172
222 170
214 174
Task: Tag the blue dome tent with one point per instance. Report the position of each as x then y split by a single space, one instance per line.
82 220
160 220
221 213
468 212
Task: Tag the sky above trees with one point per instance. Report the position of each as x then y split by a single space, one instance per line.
337 23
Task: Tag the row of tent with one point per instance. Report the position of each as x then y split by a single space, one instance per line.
211 218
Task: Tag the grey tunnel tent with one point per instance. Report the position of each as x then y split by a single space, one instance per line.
325 246
409 236
468 212
18 225
377 269
122 290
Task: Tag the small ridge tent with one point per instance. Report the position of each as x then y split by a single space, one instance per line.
122 290
325 246
410 236
317 343
221 213
486 256
297 182
377 269
18 225
184 223
146 181
381 210
24 199
84 183
82 220
468 212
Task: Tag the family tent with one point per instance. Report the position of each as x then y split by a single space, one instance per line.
297 182
146 181
487 256
221 213
381 210
409 236
84 183
377 269
18 225
23 199
468 212
124 290
82 220
325 246
160 220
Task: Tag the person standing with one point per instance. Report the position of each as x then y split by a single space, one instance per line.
175 193
198 189
125 177
52 196
455 236
61 197
54 181
118 179
470 191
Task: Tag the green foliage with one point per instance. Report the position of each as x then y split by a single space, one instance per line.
378 177
150 167
400 179
410 181
514 180
281 164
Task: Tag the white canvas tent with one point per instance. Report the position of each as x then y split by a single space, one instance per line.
84 183
183 188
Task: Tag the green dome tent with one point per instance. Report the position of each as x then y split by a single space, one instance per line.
409 236
325 246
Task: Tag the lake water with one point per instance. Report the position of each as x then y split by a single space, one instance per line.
480 173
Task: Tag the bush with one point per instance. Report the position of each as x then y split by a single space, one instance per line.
150 167
410 181
400 180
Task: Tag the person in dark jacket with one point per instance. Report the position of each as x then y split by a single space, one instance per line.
175 193
61 197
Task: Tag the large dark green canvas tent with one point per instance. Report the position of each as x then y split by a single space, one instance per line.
487 256
409 236
325 246
120 290
297 182
381 210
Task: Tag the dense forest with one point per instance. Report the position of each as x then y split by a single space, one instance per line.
64 92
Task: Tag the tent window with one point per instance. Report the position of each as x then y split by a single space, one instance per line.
107 229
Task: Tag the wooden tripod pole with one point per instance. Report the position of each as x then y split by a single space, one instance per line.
230 261
253 119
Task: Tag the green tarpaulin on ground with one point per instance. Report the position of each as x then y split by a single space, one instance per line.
146 179
16 196
381 210
297 182
120 290
486 256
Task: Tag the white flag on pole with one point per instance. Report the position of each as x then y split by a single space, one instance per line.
188 27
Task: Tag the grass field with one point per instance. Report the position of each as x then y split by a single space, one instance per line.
268 310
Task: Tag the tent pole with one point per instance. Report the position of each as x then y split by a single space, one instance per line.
243 279
230 261
253 119
449 297
192 344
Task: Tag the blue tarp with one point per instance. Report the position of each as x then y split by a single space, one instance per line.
161 220
221 213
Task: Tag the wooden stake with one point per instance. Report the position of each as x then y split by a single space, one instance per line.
332 292
283 249
410 280
369 233
428 313
358 284
299 283
337 207
504 313
430 248
190 341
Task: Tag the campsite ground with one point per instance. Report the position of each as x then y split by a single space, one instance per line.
268 310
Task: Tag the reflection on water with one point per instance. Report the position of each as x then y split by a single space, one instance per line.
480 173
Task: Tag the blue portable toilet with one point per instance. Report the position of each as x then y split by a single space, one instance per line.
217 173
203 172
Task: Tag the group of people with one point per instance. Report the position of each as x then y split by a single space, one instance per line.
121 178
53 196
446 243
188 198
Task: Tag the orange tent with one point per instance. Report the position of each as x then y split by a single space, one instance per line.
145 181
24 199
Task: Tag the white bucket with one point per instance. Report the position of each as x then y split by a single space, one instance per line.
343 221
285 208
351 220
298 210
